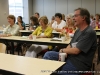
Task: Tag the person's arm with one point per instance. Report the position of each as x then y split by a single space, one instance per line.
30 36
70 50
20 25
84 44
68 46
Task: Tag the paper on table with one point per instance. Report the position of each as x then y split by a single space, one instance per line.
24 37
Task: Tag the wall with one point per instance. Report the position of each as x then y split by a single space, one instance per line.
50 7
30 9
4 11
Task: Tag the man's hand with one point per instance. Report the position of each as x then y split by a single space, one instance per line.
61 51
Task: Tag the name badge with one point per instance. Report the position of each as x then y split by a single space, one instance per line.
74 45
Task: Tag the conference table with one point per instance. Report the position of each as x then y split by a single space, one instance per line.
97 30
20 65
41 41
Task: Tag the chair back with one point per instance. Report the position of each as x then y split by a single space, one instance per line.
2 48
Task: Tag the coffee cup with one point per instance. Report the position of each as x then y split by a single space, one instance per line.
62 56
34 37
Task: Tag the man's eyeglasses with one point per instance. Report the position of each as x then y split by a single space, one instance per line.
76 15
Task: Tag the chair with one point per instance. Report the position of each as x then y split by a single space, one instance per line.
92 69
2 48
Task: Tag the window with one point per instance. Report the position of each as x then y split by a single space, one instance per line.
16 7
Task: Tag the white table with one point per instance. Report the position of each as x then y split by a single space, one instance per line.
41 41
25 31
27 65
97 30
44 41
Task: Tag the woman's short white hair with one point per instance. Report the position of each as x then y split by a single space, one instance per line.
70 15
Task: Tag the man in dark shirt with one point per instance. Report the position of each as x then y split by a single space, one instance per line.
80 57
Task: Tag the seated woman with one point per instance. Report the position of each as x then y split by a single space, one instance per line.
96 23
20 23
92 21
12 29
70 29
34 23
58 23
43 31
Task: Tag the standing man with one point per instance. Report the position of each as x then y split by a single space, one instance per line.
79 58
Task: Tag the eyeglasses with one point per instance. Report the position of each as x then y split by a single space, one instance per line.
76 15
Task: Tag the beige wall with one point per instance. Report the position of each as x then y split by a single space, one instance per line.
4 11
50 7
30 7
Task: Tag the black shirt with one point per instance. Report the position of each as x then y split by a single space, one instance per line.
87 43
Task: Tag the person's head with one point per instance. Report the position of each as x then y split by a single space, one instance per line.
43 21
19 19
34 20
37 15
97 16
81 16
58 17
53 18
92 17
69 19
63 17
11 19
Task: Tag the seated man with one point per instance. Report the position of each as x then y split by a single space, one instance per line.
80 57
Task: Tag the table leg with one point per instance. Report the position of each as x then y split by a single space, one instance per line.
12 48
